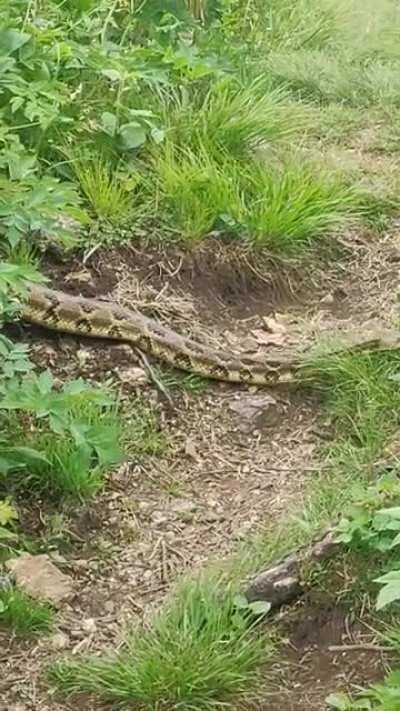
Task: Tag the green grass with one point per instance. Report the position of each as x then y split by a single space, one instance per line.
283 207
110 196
339 77
190 115
378 697
363 394
68 471
336 124
291 205
198 654
67 454
289 23
195 190
190 382
25 616
231 118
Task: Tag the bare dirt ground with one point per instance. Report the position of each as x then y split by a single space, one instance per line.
223 473
326 651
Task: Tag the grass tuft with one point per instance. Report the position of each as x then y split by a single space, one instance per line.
199 654
112 197
196 191
231 118
325 78
363 395
291 205
278 206
24 615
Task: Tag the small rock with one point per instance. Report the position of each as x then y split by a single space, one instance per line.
254 411
59 641
68 222
5 582
328 299
133 376
144 505
40 578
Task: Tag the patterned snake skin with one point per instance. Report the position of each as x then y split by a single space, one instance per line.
89 317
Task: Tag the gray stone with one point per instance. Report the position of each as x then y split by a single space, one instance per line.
40 578
254 411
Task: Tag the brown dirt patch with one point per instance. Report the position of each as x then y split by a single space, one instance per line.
216 276
326 651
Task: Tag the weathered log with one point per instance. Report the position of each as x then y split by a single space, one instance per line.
283 582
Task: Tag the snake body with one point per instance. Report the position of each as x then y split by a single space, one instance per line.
59 311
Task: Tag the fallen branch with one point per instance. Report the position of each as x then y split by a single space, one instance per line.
283 582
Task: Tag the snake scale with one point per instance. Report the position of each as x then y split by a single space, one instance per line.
59 311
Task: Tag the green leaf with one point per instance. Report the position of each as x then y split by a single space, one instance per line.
393 512
8 513
241 601
11 40
109 123
45 382
389 593
6 535
396 541
259 607
392 577
30 454
341 702
20 166
132 135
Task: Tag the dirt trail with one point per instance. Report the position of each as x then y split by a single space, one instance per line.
235 458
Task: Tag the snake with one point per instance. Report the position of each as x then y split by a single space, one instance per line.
79 315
